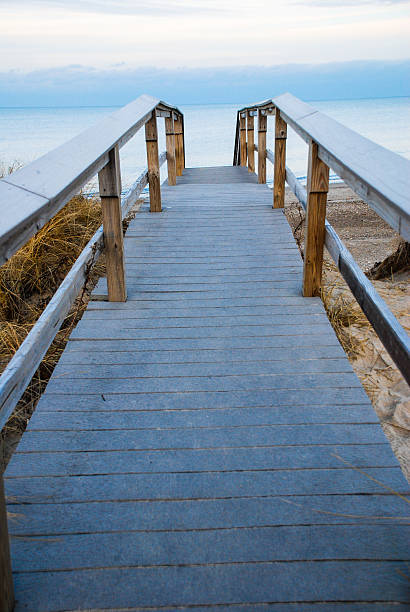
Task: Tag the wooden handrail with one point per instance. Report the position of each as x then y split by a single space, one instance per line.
378 176
24 363
32 195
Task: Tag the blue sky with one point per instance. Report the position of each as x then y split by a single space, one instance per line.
55 52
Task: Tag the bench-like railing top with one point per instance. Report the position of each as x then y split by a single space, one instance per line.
32 195
379 176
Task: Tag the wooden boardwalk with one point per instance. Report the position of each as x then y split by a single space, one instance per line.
206 445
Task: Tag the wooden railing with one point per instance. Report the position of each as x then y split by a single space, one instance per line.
30 197
381 178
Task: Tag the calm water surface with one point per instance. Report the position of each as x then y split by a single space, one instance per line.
28 133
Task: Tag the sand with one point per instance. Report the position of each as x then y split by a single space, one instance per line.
370 240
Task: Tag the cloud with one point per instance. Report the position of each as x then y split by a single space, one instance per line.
344 3
128 7
77 85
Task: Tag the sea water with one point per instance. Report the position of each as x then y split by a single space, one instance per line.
29 133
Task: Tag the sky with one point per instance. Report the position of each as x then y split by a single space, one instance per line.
109 51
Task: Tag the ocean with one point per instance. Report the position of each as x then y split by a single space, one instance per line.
28 133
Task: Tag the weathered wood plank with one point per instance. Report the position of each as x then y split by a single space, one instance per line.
241 545
151 139
179 145
262 127
236 440
53 414
385 324
280 162
109 179
217 437
170 144
317 188
251 142
89 517
128 487
200 460
213 585
243 144
376 174
35 193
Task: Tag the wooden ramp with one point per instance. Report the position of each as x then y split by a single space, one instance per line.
206 445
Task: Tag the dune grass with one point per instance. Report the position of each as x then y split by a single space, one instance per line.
27 283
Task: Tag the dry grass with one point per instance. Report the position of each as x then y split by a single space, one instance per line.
27 283
342 310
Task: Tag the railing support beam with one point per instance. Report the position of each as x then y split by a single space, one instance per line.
6 580
151 139
317 188
262 126
179 145
251 142
109 179
244 152
170 140
279 169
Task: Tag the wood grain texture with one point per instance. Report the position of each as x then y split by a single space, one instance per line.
251 142
391 333
34 194
280 162
179 146
243 144
203 433
6 580
110 192
379 176
317 188
151 139
18 373
262 127
170 144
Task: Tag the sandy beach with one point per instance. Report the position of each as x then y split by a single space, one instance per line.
370 240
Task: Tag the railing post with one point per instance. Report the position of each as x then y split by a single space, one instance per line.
279 169
179 145
170 140
244 152
317 188
251 142
151 139
6 580
262 125
109 179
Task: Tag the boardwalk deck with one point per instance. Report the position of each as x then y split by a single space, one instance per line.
206 445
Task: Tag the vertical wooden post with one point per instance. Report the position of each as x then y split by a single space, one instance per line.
109 179
244 153
279 170
170 140
251 142
179 145
317 188
6 580
262 126
151 139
